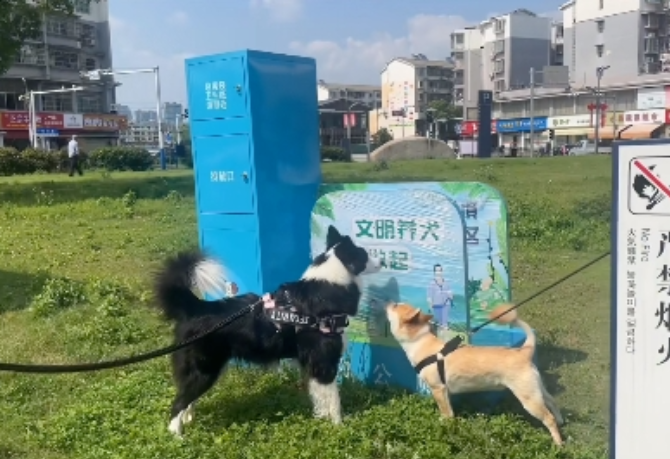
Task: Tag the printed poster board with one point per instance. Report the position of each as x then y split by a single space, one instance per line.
443 247
640 316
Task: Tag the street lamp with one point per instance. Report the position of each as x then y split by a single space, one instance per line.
600 71
32 111
96 75
532 108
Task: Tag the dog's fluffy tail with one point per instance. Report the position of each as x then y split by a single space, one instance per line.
184 280
511 317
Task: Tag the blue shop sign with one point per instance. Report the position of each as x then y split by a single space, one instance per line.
522 125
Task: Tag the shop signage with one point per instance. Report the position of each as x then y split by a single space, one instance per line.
634 117
471 128
522 125
569 122
105 122
20 120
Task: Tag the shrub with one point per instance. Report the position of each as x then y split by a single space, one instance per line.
29 161
9 161
335 154
121 159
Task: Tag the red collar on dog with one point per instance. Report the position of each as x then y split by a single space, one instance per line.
449 347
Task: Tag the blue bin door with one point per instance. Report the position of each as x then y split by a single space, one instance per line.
217 89
224 174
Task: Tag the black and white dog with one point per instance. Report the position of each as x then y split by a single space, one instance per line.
329 289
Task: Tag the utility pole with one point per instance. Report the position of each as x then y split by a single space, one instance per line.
32 110
97 74
600 71
532 111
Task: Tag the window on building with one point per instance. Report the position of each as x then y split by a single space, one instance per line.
600 50
90 104
57 102
9 101
90 64
31 55
62 27
601 25
66 60
82 6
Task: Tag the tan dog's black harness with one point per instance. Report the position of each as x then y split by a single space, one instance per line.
449 347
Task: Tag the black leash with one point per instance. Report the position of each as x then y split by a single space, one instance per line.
456 341
109 364
451 345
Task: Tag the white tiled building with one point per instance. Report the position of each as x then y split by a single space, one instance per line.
409 85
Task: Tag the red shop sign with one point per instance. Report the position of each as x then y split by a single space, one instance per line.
21 120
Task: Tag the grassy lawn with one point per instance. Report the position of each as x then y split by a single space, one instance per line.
77 254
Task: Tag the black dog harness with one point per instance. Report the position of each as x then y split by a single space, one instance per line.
438 358
285 314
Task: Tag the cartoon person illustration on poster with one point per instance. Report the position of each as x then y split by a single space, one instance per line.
488 296
440 297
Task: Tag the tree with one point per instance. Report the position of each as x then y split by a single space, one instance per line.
21 20
445 110
381 137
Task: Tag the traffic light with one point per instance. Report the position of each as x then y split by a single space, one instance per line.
185 115
551 134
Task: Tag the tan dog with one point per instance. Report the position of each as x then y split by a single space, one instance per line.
475 369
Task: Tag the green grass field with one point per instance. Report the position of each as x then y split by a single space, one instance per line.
76 257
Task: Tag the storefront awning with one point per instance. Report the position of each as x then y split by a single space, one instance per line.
606 133
640 131
572 132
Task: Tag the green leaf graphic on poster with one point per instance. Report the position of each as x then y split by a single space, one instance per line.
324 208
456 188
315 227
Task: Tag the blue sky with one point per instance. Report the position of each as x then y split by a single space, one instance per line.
351 39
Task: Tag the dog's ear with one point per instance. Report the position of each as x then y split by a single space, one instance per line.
415 317
419 318
333 237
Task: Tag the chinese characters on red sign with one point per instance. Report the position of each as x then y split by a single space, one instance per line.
21 120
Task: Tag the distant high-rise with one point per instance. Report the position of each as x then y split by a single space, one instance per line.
145 116
171 110
123 110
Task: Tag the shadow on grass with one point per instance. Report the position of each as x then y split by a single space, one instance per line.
277 401
18 289
57 192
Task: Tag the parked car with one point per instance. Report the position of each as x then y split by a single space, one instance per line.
588 147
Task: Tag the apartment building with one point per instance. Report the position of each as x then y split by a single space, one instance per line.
409 85
146 116
496 55
466 53
143 135
361 93
629 40
631 37
52 60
